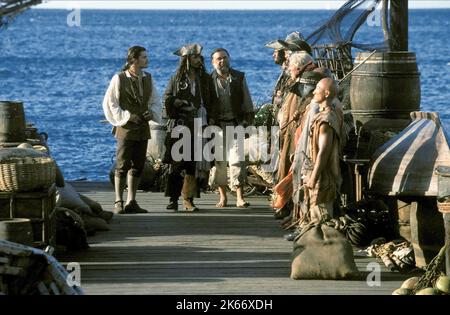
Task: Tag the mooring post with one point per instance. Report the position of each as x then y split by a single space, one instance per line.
398 38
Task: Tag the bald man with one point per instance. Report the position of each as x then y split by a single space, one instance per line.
321 171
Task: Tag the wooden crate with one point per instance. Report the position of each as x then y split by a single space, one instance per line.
36 206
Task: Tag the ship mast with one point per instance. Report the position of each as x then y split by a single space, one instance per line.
398 39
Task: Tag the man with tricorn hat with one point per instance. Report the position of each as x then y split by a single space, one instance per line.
186 98
282 50
279 58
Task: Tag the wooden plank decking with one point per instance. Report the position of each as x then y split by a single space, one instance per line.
213 251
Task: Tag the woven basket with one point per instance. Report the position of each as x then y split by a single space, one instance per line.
27 174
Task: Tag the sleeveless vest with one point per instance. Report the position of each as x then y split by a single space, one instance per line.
236 98
129 100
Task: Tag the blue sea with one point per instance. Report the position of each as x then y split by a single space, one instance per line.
61 72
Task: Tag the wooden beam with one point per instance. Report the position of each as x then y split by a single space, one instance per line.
446 217
399 25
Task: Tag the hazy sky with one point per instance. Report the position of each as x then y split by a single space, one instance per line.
220 4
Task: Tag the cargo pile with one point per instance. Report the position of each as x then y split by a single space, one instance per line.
432 282
37 207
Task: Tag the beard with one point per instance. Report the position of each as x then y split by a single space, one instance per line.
280 58
223 69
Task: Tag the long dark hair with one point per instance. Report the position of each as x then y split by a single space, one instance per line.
182 70
133 53
182 74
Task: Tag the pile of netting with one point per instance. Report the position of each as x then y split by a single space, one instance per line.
355 16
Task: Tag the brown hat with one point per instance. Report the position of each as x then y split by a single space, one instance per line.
190 49
296 42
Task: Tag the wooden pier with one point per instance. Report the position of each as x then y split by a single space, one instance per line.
213 251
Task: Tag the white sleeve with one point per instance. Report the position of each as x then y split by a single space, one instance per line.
154 105
111 108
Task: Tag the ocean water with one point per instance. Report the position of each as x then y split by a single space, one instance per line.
61 73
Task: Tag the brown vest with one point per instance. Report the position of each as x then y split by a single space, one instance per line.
237 96
129 100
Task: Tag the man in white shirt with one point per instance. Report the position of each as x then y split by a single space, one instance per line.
130 102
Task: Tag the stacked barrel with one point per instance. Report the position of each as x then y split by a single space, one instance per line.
27 176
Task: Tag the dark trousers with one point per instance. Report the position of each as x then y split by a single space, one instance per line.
130 157
175 179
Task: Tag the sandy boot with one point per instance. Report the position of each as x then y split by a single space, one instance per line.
188 192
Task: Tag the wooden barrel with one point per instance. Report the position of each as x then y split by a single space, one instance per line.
387 85
17 231
12 122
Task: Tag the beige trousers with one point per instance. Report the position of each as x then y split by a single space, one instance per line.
234 158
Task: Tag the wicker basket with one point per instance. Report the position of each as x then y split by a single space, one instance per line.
27 174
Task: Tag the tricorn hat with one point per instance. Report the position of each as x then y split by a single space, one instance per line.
275 44
296 42
190 49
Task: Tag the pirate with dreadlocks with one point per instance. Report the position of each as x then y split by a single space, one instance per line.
186 98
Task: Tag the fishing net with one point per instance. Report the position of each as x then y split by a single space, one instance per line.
358 23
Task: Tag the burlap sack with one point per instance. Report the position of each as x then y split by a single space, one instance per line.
93 224
94 205
321 252
67 197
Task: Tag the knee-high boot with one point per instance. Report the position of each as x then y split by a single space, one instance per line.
189 191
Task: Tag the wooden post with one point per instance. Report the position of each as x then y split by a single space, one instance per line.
427 230
418 251
385 19
443 173
447 241
399 25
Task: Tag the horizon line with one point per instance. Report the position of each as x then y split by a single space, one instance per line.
214 9
203 5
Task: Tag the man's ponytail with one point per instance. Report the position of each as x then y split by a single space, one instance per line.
133 53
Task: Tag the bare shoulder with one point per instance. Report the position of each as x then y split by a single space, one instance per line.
328 120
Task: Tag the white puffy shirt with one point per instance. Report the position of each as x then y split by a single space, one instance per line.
118 116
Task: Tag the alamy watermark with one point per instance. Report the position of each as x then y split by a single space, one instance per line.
373 279
74 17
239 143
73 278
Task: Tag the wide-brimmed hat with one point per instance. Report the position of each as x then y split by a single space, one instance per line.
296 42
187 50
